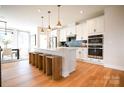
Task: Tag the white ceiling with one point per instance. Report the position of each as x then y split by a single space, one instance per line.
27 17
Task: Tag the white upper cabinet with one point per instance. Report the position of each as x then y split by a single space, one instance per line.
100 24
71 30
85 32
81 31
53 33
95 25
91 26
63 34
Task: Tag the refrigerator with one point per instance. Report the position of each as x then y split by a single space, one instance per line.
53 42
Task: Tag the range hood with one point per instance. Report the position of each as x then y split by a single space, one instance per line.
71 35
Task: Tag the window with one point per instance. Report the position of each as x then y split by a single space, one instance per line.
18 40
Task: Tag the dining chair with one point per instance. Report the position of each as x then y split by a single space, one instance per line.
7 52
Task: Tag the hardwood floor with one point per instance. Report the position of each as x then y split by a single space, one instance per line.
20 74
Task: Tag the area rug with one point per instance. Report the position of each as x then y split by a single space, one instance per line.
11 61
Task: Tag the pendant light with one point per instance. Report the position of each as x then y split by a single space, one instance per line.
42 30
59 23
5 29
5 26
49 28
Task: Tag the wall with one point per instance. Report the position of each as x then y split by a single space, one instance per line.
47 33
114 37
38 40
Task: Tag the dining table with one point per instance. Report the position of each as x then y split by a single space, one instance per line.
17 53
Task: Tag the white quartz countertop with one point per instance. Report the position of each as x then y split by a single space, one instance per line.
54 51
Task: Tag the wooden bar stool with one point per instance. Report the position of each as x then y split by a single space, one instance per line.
44 62
54 66
40 61
36 60
49 61
57 68
30 58
33 59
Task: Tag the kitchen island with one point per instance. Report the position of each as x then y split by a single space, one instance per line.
68 58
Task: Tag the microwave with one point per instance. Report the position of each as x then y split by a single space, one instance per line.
95 41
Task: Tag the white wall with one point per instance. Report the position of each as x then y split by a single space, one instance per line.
114 37
39 39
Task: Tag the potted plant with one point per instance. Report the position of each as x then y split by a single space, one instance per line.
6 41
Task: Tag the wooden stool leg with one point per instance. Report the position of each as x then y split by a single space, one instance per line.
33 59
29 58
36 60
49 66
44 64
40 62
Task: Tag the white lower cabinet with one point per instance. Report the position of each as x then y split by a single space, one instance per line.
81 53
95 61
85 54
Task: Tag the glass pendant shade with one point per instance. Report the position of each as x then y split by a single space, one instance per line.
49 28
59 24
42 30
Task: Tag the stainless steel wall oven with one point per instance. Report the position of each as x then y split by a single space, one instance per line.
95 46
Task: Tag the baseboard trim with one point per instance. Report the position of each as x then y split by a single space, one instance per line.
65 74
114 67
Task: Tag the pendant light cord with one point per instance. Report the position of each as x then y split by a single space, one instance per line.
42 21
5 28
59 12
42 30
49 17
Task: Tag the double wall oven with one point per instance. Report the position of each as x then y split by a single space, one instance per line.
95 46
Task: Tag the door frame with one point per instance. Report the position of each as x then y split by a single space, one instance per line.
0 69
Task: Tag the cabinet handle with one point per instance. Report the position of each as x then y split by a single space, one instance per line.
94 30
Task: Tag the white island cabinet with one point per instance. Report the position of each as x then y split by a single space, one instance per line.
68 58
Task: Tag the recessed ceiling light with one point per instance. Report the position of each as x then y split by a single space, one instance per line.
39 10
81 12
